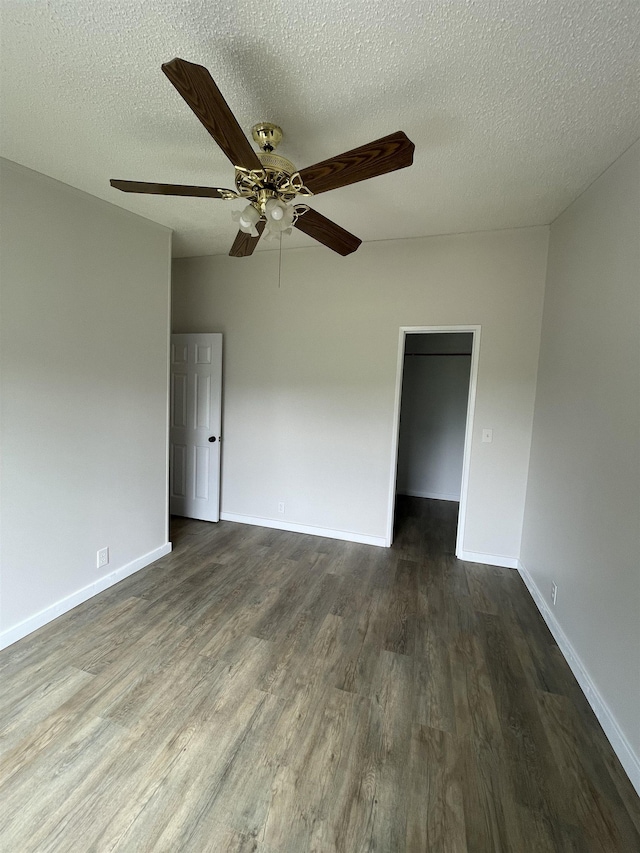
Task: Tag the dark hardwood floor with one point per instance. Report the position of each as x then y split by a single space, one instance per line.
265 691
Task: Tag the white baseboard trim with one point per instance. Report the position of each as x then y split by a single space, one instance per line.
488 559
621 746
436 496
292 527
12 635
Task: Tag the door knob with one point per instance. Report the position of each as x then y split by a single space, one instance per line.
212 438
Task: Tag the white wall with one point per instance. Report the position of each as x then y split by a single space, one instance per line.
582 521
85 312
310 370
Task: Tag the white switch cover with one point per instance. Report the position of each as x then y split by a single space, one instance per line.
487 436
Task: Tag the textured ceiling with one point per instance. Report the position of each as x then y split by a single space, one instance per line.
515 106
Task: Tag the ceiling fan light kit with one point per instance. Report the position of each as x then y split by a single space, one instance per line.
270 190
268 181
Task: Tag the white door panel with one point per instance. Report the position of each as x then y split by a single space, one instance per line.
196 394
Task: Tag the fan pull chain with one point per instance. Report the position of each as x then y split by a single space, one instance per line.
280 262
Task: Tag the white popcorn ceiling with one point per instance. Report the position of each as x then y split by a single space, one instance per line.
514 106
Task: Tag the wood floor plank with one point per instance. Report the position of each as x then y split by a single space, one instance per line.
532 770
435 635
213 772
357 666
28 821
436 819
481 589
266 691
35 706
401 619
594 799
381 805
433 704
317 770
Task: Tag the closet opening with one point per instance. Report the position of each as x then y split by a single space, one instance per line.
433 419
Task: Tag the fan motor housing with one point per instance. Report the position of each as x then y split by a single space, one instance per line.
275 163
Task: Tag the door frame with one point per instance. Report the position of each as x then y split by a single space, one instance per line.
468 433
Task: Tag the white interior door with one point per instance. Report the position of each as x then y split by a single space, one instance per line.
194 437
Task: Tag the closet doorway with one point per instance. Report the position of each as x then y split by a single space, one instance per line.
433 419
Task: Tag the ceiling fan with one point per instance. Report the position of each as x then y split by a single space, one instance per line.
269 182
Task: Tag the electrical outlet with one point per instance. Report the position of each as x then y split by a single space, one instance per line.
554 593
102 558
281 506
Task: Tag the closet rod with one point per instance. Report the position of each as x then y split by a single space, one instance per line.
438 353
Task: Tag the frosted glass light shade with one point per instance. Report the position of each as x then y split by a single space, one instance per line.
279 215
247 219
274 210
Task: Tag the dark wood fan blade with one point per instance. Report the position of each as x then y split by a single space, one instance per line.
196 86
165 189
327 232
377 158
244 244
